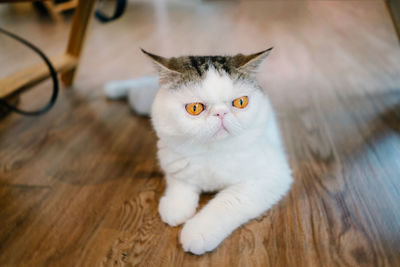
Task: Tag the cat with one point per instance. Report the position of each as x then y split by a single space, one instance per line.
140 92
217 132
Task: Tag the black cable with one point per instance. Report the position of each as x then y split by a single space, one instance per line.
119 10
53 75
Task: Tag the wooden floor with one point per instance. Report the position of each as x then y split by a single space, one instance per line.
79 186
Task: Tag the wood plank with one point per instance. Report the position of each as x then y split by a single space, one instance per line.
15 210
30 76
90 170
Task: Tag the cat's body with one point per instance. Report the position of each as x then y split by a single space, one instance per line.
219 165
231 147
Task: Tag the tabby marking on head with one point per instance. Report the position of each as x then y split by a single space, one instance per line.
176 71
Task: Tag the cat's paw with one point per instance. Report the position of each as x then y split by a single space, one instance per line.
175 211
199 236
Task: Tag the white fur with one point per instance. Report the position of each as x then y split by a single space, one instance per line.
247 166
140 92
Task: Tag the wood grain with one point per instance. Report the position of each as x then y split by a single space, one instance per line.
80 185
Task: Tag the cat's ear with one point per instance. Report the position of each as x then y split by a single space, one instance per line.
250 63
168 68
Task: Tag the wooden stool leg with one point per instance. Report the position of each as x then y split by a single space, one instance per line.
82 16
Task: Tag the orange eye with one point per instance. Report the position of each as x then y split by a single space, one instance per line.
240 102
194 108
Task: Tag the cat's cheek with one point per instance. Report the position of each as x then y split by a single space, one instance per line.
195 126
249 114
243 117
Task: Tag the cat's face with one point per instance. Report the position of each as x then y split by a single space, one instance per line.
208 102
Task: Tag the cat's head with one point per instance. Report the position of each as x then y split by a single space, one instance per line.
208 98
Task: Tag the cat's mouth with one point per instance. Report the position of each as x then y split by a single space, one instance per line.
222 130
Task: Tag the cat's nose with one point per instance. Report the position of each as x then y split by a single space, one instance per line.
219 111
220 114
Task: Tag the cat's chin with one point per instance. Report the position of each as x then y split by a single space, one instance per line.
221 134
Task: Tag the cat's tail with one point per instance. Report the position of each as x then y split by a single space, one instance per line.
118 89
140 92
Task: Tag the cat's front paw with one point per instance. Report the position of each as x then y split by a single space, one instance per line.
175 211
199 236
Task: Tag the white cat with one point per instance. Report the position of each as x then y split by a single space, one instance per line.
217 133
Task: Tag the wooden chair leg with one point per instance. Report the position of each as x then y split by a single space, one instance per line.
83 13
12 100
52 11
394 10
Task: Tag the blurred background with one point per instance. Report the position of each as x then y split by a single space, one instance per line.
322 38
80 184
